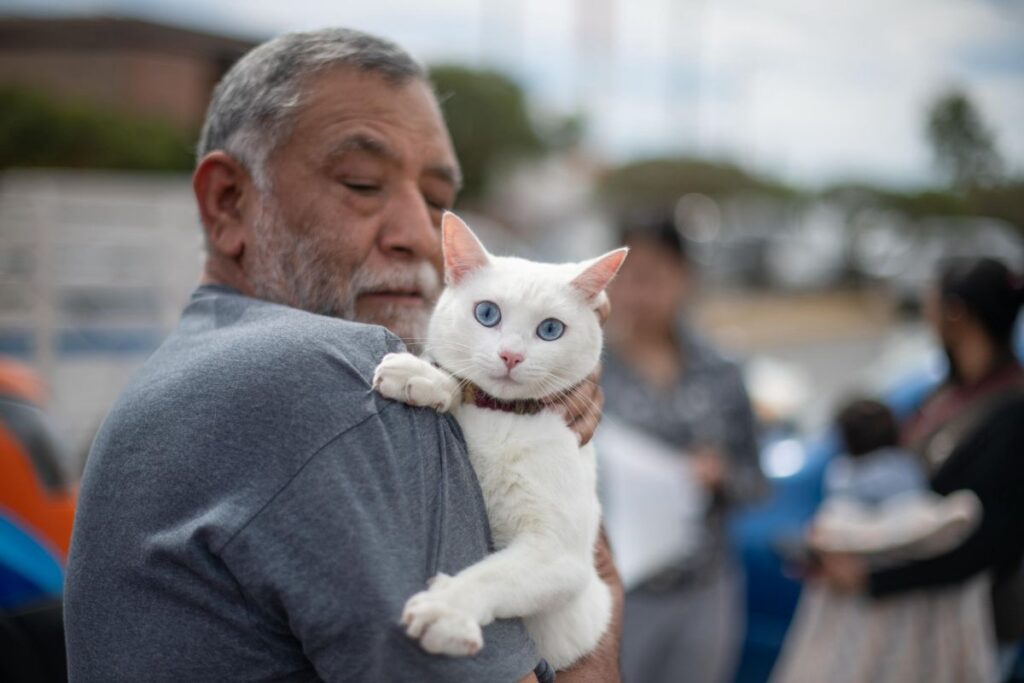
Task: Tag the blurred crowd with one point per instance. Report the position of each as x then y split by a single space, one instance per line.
912 563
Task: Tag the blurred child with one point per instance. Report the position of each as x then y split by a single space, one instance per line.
879 507
874 467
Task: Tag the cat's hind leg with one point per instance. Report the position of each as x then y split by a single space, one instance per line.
565 634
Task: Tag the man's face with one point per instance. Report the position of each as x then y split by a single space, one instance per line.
350 223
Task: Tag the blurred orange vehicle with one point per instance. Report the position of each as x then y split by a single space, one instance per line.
37 501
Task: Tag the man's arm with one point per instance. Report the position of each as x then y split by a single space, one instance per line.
581 406
332 558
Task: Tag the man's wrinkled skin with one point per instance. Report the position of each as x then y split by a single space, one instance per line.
348 225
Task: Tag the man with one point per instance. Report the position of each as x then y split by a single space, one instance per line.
251 509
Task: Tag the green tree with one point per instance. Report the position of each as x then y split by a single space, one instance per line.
487 115
37 130
1001 201
963 146
660 182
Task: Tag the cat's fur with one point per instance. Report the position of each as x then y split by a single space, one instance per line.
538 484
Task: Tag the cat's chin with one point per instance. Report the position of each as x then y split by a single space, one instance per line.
505 388
509 389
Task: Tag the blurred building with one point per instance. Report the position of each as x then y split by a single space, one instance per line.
158 71
94 271
95 266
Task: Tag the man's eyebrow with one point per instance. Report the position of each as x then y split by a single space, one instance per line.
360 142
446 172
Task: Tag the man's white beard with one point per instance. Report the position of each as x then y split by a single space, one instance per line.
292 268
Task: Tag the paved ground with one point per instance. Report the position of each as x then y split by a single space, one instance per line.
839 342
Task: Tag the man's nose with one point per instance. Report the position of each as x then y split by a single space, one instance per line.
409 230
511 358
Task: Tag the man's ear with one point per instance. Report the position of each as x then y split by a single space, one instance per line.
221 185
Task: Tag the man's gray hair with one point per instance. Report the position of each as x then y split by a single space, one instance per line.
253 106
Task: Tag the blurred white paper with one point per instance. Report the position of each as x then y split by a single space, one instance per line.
653 507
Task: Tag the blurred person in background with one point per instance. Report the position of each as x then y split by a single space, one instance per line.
37 508
683 623
970 434
878 508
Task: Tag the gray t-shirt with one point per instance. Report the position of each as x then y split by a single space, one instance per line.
252 510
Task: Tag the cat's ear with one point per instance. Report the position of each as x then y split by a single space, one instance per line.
598 273
463 252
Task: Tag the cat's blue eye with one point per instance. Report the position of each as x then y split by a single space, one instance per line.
550 329
487 313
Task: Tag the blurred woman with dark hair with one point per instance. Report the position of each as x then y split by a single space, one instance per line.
666 385
970 434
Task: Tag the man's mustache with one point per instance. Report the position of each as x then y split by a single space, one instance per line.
420 279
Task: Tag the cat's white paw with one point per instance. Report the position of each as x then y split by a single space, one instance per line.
441 628
439 581
406 378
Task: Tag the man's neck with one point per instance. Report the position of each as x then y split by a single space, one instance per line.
216 272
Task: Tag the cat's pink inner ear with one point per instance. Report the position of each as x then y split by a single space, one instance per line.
596 276
463 252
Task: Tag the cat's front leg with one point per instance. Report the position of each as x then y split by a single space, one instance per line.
442 626
527 577
406 378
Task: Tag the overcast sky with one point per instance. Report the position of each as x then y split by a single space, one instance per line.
811 90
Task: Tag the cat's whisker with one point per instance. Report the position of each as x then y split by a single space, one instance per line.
575 401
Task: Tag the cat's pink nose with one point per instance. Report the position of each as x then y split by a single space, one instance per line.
511 359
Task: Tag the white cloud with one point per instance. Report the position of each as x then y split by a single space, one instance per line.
829 89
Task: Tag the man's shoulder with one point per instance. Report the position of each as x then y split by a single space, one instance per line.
255 374
242 335
230 344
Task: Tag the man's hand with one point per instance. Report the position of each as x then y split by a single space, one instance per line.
581 406
602 665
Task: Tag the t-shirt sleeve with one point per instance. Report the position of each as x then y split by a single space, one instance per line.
332 558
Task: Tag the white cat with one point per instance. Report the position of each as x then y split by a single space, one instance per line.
505 333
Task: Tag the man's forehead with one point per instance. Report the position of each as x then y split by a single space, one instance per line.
336 103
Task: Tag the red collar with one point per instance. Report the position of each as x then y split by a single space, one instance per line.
473 394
